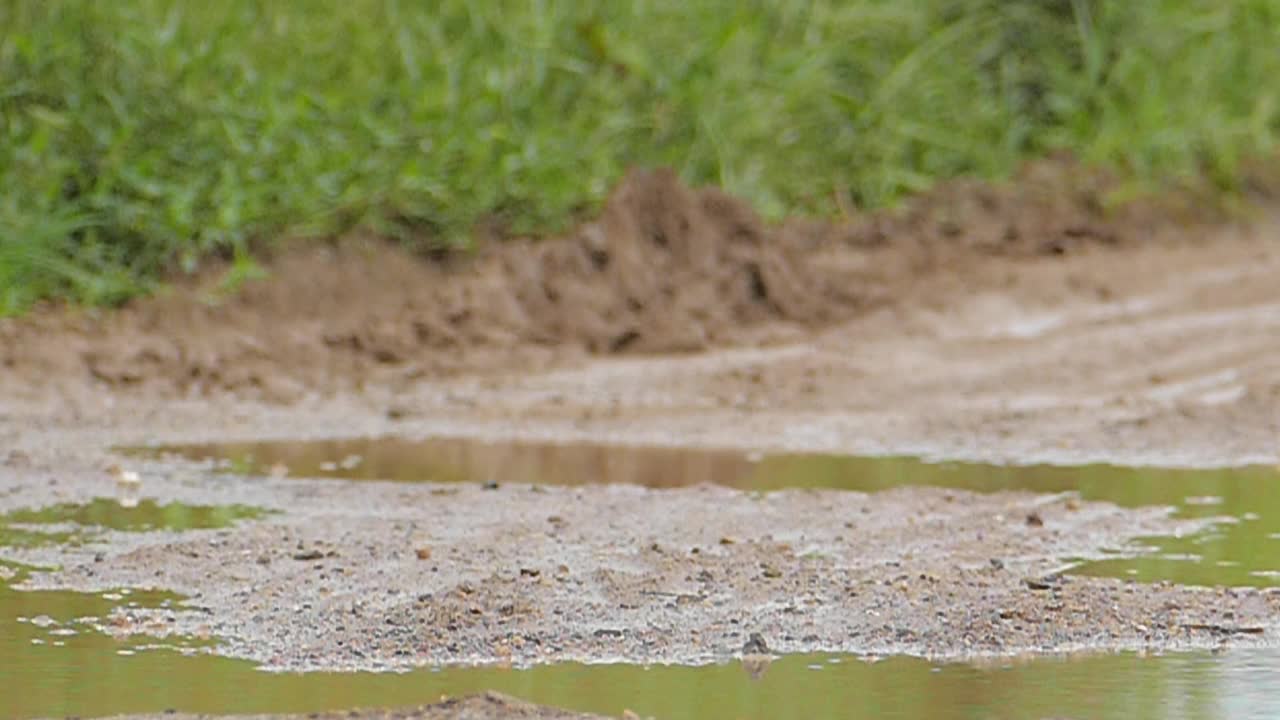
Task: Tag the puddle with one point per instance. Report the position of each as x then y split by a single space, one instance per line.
1244 551
25 537
52 648
22 528
145 515
59 646
66 668
53 645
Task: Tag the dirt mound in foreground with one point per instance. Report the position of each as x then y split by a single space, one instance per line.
664 268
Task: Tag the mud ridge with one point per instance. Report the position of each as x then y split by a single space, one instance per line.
664 268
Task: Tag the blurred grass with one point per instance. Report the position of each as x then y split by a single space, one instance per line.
138 137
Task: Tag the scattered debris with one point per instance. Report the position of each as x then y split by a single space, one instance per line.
755 645
1047 582
17 458
128 486
1225 629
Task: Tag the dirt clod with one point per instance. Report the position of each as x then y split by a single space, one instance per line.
755 645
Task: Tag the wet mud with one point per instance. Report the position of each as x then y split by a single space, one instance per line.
1035 327
392 575
663 269
1241 547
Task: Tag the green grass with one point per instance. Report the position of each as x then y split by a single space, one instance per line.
139 137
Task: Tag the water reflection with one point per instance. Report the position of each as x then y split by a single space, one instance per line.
134 516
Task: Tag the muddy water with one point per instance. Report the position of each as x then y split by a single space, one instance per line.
59 648
63 666
58 658
1242 550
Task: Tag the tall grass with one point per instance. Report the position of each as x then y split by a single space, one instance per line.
141 136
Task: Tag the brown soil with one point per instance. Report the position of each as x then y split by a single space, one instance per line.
663 269
1015 324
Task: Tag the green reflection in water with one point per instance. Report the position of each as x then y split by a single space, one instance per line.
1244 553
54 660
87 676
146 515
26 537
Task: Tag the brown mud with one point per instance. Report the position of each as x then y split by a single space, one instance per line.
1011 324
663 269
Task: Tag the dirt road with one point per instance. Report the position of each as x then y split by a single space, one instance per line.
1158 355
1138 353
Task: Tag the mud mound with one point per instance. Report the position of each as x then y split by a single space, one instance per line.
664 268
1050 207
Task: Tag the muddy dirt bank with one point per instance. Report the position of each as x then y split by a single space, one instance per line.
1163 354
662 269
